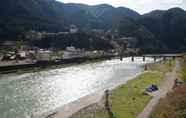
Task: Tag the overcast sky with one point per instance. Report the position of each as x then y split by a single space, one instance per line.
141 6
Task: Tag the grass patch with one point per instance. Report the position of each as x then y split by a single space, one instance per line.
128 100
174 105
182 71
162 66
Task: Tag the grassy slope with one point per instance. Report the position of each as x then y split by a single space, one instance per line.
163 66
128 100
182 71
174 105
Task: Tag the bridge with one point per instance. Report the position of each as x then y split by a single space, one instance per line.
156 56
164 56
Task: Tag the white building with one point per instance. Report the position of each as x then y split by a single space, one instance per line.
72 52
43 55
22 54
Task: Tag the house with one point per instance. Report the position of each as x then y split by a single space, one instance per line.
22 54
43 55
95 53
9 56
72 52
92 53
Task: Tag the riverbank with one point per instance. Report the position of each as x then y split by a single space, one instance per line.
166 87
127 100
47 65
174 104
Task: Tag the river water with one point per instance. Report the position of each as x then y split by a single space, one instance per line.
22 96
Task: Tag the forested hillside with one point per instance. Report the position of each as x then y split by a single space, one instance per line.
157 31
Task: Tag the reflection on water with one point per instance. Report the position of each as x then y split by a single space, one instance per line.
36 93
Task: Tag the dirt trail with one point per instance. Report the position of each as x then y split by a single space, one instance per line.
166 87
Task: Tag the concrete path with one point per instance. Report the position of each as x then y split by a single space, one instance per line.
74 107
166 87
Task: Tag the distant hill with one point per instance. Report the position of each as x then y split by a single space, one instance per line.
52 15
99 16
168 27
17 16
156 31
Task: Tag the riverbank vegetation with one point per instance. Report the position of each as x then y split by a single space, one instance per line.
174 105
182 71
163 66
128 100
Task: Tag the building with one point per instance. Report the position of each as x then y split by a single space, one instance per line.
72 52
43 55
94 53
73 29
22 54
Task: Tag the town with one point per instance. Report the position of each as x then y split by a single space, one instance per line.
13 53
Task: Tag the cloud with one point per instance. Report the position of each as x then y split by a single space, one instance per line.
143 2
172 1
141 6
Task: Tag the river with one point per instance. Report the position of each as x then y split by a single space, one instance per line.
22 96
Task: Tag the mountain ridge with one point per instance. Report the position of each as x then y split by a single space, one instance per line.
164 29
